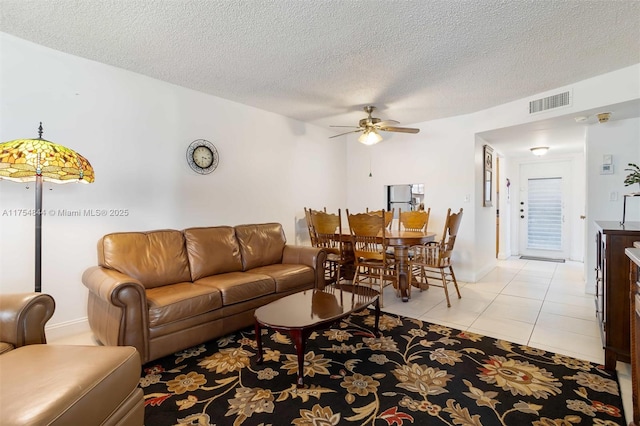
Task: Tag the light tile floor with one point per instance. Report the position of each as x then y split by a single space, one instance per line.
541 304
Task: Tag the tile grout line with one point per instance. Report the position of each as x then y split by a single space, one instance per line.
544 300
494 298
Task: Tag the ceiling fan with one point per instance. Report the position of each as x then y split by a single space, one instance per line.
370 127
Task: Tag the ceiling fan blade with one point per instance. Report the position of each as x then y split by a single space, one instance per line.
386 123
354 127
399 129
345 133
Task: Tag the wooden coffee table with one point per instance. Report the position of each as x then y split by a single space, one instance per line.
302 313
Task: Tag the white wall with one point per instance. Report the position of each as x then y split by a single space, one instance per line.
135 131
621 139
508 207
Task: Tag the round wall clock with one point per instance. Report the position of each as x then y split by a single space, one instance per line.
202 156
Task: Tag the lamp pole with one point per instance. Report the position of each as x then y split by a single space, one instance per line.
38 214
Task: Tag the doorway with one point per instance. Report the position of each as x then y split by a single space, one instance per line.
542 206
407 197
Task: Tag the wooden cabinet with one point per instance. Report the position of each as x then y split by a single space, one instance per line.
612 288
634 255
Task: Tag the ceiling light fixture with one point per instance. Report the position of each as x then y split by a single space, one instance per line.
539 150
370 137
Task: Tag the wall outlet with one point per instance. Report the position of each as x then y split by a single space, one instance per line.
613 196
467 198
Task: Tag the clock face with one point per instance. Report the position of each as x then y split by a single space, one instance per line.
202 156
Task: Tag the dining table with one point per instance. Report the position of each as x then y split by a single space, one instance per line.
401 241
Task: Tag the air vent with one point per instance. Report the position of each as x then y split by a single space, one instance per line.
550 102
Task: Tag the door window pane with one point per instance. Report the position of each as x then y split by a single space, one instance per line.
544 223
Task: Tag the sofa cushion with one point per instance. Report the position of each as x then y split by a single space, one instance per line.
212 251
260 244
179 301
239 287
155 258
287 277
68 384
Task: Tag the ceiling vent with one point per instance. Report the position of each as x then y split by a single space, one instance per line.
550 102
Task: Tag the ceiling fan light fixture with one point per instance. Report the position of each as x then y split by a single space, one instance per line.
370 137
539 150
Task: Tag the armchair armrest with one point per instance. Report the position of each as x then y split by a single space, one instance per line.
23 317
306 255
117 309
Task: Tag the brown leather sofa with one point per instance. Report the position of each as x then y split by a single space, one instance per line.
45 384
167 290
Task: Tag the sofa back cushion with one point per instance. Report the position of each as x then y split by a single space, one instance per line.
214 250
154 258
261 244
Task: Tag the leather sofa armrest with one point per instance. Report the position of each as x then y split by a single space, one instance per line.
23 317
108 283
117 310
306 255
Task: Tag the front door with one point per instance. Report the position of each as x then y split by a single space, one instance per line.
544 194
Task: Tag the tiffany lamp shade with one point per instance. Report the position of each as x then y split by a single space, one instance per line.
28 160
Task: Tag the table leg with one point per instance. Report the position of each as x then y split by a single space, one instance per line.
401 254
298 341
258 329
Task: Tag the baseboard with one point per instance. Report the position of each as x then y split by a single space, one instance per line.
66 329
503 255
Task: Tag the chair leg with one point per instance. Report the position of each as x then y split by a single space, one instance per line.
444 285
423 275
455 282
381 287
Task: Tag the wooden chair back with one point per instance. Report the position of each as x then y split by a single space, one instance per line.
388 216
326 225
413 220
312 232
451 226
366 230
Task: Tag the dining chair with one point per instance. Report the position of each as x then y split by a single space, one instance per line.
328 229
433 260
413 220
373 266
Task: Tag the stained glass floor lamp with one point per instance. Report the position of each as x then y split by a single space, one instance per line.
29 160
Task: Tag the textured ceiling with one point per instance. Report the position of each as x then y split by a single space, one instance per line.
322 61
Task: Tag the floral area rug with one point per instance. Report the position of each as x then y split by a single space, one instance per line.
416 373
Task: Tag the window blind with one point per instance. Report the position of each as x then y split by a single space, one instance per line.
544 222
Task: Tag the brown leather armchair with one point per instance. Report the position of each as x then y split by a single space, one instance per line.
48 384
22 319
